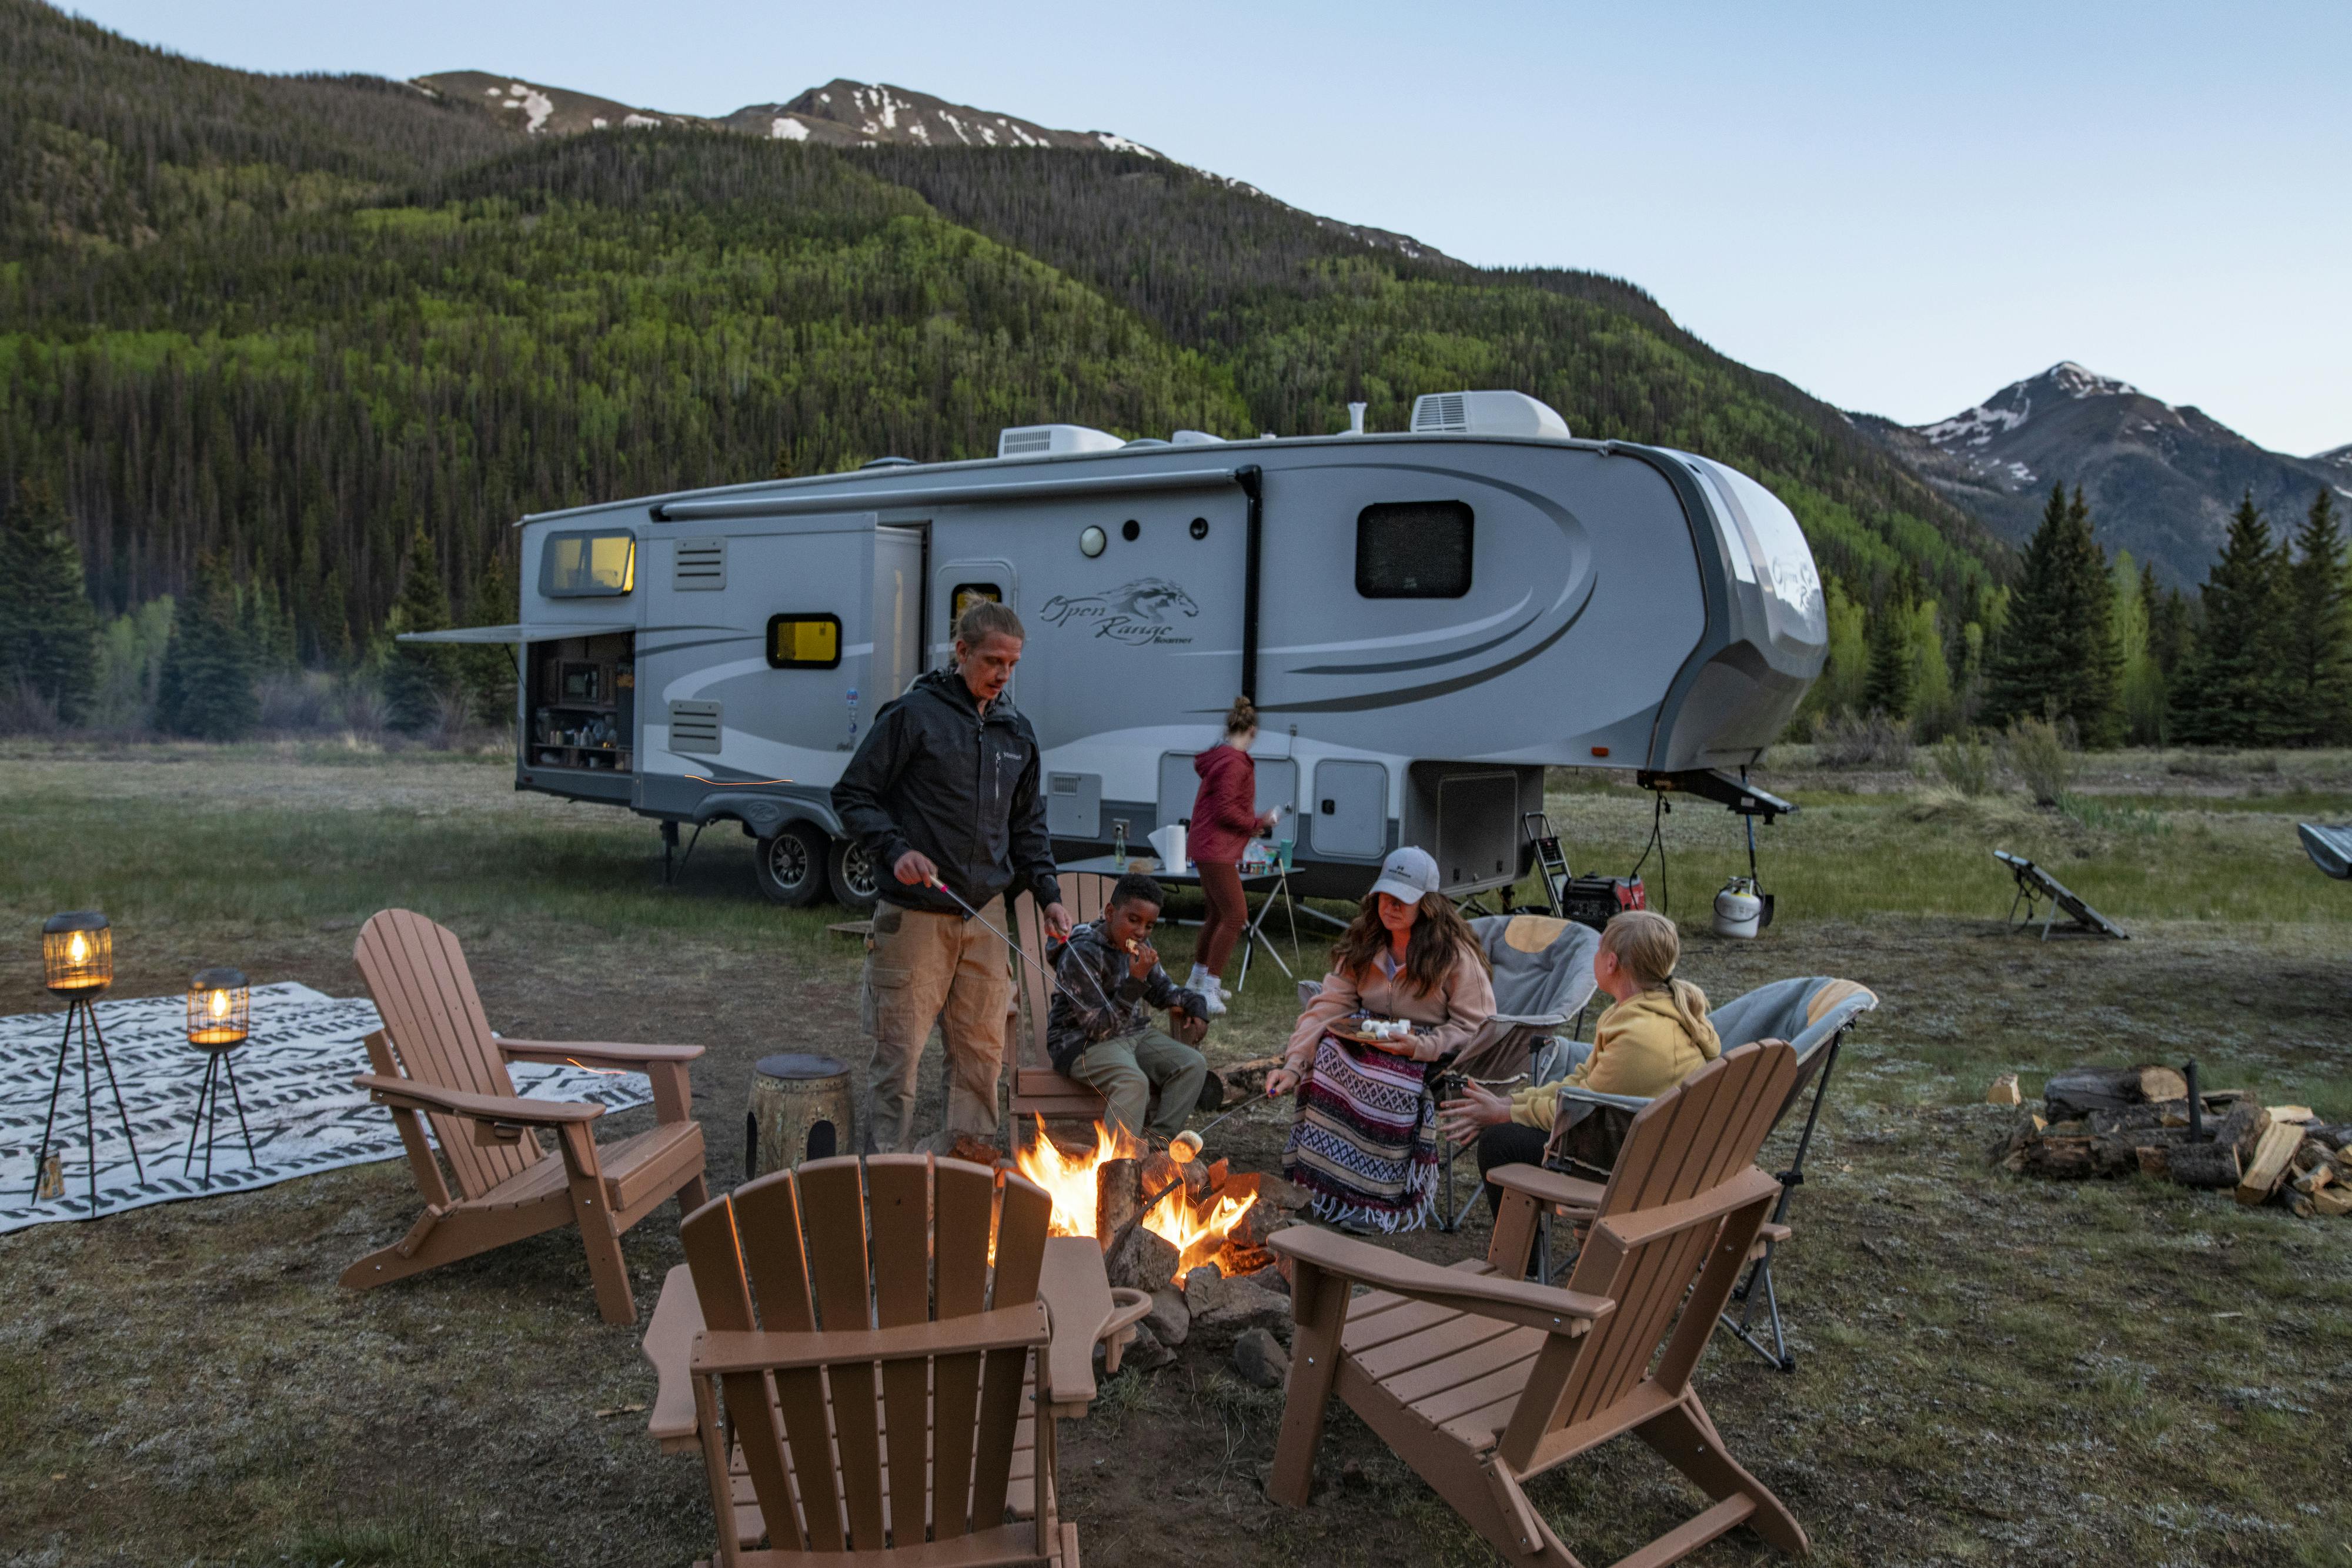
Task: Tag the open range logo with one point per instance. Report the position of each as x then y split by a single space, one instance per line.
1136 613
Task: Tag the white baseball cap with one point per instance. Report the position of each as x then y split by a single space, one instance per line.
1407 875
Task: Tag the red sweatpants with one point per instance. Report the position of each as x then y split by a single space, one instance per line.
1228 916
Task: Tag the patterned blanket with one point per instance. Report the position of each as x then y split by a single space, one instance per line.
294 1076
1365 1143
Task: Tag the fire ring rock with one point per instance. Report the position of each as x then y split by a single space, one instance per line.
1260 1359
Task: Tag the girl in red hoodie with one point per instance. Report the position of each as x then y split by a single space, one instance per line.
1224 819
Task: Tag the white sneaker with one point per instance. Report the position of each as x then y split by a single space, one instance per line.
1211 1000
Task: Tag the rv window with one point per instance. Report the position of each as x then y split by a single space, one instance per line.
589 566
968 594
1413 549
803 641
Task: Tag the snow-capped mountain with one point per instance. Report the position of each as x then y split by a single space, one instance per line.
2161 478
2336 457
841 114
539 109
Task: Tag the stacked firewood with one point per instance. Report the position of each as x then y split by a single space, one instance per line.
2112 1122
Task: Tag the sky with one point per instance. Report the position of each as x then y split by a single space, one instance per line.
1901 208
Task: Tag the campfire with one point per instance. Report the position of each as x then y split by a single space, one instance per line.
1198 1208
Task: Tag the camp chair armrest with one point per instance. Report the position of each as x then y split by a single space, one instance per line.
1535 1306
1549 1186
1594 1097
558 1052
409 1094
1529 1021
1007 1328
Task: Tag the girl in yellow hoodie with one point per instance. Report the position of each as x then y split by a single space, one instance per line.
1656 1035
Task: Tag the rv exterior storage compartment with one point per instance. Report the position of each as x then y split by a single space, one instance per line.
1467 817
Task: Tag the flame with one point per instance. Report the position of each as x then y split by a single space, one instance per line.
78 950
1070 1180
217 1003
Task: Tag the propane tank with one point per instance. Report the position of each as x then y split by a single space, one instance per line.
1737 909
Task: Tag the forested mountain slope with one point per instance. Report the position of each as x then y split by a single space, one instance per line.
293 319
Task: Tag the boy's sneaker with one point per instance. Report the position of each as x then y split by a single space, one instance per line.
1212 1000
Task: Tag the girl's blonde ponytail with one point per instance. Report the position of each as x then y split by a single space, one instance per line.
1649 947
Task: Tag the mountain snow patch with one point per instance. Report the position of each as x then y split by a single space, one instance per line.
534 103
2077 382
785 129
640 121
1980 424
1116 143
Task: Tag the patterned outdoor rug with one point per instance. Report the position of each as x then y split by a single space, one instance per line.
294 1075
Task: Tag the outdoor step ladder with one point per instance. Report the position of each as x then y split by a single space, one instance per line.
1550 860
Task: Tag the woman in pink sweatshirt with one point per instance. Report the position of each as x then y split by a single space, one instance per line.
1224 819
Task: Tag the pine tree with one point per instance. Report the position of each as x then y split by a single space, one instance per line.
2058 657
1887 688
417 676
2318 669
48 630
2142 683
490 666
2228 688
206 690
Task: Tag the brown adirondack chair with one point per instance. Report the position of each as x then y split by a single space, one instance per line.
880 1398
435 1056
1482 1381
1038 1089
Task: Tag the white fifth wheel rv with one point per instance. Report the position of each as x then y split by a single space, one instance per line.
1426 621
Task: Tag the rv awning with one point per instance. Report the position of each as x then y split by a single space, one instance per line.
536 632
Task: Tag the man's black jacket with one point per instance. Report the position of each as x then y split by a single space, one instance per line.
936 775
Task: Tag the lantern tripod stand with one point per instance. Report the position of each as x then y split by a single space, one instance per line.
216 1067
80 1010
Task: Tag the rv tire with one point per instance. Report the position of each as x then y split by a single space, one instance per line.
791 864
856 881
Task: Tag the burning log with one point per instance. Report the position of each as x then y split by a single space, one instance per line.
1119 1196
2079 1091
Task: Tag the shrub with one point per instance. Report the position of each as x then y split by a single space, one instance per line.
25 709
2039 754
1876 741
296 700
1965 762
365 713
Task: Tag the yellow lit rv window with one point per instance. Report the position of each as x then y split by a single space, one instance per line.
968 594
589 566
803 641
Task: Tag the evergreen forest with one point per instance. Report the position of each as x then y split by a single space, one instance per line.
293 353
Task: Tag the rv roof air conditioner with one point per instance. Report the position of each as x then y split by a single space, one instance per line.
1052 440
1197 438
1486 414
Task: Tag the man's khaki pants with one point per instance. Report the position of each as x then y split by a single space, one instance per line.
920 969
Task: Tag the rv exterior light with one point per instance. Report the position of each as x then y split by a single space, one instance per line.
77 954
1092 542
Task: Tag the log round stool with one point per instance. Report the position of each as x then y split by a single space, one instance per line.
801 1109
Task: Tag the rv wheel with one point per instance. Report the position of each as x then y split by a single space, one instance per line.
792 864
855 881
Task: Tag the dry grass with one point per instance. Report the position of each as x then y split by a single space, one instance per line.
1990 1370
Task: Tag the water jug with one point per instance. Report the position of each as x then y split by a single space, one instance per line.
1737 909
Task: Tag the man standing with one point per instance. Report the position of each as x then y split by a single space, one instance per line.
944 788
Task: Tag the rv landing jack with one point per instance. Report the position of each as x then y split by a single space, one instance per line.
669 843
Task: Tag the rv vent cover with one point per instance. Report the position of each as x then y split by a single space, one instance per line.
694 726
1486 414
700 564
1049 440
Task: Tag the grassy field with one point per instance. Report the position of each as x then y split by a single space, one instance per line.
1990 1370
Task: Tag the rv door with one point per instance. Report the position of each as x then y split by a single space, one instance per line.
956 587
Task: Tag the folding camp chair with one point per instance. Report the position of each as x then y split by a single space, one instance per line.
1812 1013
1543 978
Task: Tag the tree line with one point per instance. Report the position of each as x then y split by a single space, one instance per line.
2260 656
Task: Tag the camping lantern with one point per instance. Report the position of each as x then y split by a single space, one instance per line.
220 1015
78 963
78 953
220 1008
